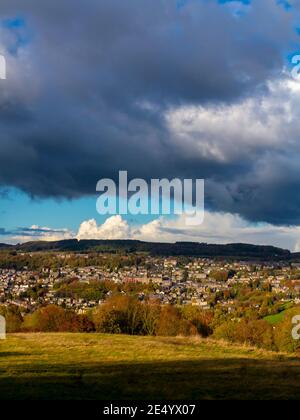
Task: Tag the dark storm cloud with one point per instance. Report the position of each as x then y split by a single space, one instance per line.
89 84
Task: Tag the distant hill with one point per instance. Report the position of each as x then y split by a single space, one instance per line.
158 249
5 246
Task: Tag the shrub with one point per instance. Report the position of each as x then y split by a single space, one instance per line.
254 333
201 319
12 317
226 331
55 319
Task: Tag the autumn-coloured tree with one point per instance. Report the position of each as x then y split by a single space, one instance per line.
221 275
171 323
150 317
12 317
55 319
251 332
201 319
119 314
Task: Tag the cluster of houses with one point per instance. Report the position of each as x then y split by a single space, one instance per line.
172 282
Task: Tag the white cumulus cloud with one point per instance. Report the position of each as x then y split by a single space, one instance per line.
113 228
217 228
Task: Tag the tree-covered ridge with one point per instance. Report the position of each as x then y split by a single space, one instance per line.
158 249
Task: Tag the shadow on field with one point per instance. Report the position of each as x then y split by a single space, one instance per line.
192 380
13 354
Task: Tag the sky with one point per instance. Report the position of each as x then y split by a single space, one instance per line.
198 89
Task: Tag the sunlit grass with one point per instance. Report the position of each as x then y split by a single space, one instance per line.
95 366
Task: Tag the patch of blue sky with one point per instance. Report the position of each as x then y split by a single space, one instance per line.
22 34
286 4
14 23
17 208
245 2
181 3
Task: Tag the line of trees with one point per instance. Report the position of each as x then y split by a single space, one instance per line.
119 314
126 315
123 314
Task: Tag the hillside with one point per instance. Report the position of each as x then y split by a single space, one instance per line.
160 249
94 366
5 246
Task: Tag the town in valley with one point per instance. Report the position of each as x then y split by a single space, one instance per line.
74 281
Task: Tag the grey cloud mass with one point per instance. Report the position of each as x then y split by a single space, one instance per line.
90 85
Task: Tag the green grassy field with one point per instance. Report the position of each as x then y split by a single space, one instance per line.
275 319
94 366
